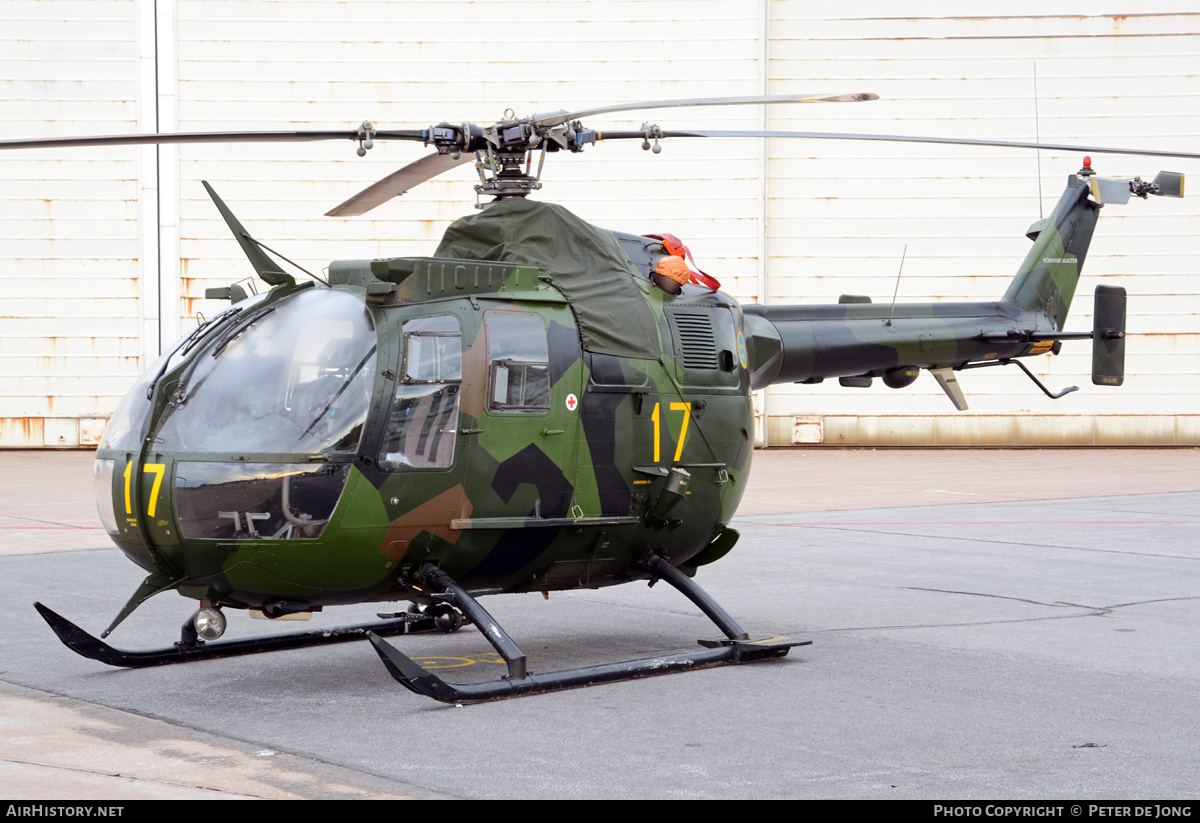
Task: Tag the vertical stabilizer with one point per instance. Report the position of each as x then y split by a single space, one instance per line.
1046 281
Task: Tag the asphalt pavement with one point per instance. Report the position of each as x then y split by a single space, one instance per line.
985 624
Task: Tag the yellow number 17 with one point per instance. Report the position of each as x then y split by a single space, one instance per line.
158 470
656 416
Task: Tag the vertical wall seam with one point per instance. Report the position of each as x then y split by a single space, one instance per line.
158 272
760 296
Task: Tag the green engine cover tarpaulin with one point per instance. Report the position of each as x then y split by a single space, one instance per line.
584 262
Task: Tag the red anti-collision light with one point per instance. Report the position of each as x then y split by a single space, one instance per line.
1087 162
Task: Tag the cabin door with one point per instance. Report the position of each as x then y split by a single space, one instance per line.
528 428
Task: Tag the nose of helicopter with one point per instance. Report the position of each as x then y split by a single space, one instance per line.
246 434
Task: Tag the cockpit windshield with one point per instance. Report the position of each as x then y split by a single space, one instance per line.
127 425
294 377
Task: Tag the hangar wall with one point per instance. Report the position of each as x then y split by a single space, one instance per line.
107 252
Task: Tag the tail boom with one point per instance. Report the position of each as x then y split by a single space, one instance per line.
857 341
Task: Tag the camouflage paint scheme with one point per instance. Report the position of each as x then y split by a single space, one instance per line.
556 498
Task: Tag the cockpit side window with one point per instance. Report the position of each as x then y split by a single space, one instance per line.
432 358
423 420
519 358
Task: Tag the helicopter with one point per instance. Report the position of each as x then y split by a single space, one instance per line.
541 405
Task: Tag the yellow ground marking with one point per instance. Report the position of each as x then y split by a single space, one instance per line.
436 662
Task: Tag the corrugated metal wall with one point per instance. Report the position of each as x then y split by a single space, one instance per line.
70 275
841 214
106 253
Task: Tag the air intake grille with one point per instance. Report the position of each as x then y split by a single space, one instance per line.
697 343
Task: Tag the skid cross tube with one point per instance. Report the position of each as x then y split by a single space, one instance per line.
736 647
663 570
441 582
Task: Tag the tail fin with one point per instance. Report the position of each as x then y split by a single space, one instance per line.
1046 281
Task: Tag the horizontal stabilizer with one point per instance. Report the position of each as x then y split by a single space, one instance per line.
1032 336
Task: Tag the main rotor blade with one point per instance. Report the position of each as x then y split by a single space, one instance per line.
900 138
207 137
397 183
557 118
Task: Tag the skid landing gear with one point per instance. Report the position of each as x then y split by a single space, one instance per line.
190 647
736 647
457 606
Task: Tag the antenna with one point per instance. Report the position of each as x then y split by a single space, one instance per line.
897 290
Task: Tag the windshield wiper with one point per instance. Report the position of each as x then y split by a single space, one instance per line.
190 342
229 338
343 388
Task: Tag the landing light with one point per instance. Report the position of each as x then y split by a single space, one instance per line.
209 623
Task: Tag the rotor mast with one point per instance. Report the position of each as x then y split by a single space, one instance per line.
505 164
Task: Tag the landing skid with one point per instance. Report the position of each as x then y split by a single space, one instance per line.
189 648
735 647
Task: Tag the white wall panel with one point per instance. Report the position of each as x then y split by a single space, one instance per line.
69 330
841 214
240 67
81 232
